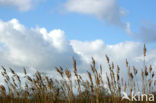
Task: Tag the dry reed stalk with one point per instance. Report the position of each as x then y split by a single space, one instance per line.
39 89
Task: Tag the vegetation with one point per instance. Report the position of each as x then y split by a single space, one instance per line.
95 89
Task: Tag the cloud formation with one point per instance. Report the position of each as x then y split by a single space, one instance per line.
107 10
118 53
22 5
36 48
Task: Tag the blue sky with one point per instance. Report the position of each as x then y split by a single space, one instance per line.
53 31
50 14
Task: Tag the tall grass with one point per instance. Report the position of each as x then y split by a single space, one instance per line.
98 88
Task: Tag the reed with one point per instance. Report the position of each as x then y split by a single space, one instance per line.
100 87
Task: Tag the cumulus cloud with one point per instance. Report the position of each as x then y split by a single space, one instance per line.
117 53
98 49
107 10
38 49
34 48
22 5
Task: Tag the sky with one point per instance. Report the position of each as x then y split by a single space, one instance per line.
52 14
43 34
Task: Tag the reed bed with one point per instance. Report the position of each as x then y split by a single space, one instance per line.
100 87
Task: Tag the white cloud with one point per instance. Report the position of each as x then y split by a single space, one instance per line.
22 5
98 50
108 10
36 48
33 47
118 53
